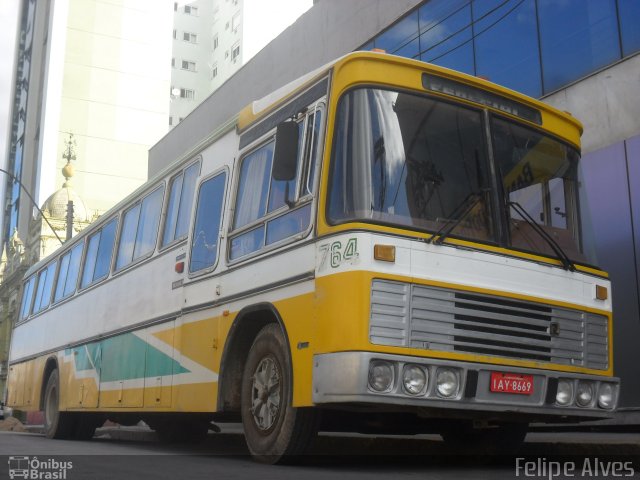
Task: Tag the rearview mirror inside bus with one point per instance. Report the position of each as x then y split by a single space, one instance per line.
286 151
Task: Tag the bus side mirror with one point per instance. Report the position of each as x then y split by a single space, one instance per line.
285 156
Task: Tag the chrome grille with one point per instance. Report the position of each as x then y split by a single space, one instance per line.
403 314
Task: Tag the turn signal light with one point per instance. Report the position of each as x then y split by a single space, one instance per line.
179 267
384 253
601 292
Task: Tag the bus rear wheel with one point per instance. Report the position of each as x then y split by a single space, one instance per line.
57 424
275 431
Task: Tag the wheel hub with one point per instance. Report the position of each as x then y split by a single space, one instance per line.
265 394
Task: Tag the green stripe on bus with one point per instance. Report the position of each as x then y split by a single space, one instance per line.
125 357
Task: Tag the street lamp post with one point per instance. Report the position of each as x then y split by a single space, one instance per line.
69 220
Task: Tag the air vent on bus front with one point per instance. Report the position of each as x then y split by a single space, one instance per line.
422 317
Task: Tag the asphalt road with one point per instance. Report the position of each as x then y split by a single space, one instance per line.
224 456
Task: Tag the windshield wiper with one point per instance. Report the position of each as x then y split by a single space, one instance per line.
564 258
465 207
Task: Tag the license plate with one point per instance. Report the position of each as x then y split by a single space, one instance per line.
511 383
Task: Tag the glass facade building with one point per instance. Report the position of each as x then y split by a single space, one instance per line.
532 46
15 161
539 47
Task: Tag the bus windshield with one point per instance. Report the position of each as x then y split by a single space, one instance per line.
539 175
417 162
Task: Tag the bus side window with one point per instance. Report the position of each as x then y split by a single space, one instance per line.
98 257
314 130
68 272
206 230
45 284
181 195
302 185
27 297
140 229
282 203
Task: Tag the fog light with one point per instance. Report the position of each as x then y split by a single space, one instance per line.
414 379
606 396
565 392
380 376
447 382
584 394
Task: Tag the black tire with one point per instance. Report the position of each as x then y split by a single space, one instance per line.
57 424
275 431
503 439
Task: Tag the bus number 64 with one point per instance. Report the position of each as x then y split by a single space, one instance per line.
335 253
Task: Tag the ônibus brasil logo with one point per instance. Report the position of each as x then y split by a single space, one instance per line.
34 469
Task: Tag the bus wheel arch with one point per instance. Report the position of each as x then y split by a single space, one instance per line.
49 367
244 330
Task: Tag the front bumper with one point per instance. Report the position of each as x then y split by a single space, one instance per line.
343 378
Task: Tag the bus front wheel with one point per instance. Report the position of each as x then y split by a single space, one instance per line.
57 424
274 430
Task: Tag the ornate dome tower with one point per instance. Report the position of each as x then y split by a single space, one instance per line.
55 207
42 234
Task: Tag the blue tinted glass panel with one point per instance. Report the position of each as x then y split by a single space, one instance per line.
74 269
629 11
460 59
206 233
90 260
45 297
446 33
51 275
128 237
247 243
105 250
402 38
42 279
255 174
633 162
148 224
186 200
27 297
577 37
506 45
288 225
410 50
368 47
172 209
62 276
436 12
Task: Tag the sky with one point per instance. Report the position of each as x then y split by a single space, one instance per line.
265 19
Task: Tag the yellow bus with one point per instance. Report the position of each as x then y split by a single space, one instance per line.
383 245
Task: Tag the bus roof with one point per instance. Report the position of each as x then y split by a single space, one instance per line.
263 106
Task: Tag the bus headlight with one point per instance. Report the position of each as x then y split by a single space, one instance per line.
584 394
606 396
414 379
565 392
380 376
447 382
